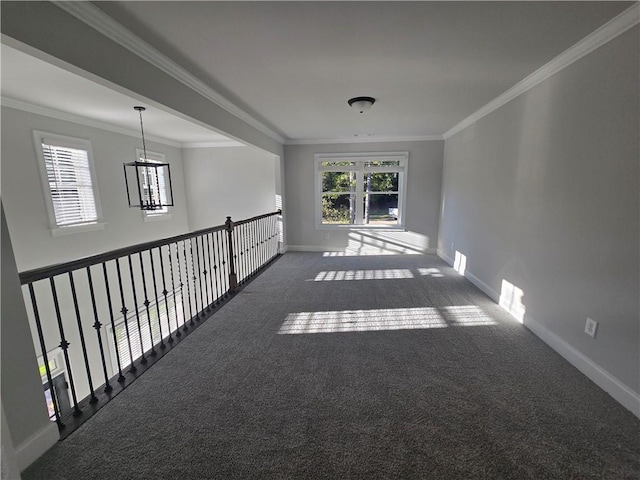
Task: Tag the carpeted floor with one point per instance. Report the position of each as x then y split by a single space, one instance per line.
376 367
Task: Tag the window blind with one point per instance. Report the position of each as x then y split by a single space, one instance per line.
69 179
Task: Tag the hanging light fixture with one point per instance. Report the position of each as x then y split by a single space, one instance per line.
148 183
361 104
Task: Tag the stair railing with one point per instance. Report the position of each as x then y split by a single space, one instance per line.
140 301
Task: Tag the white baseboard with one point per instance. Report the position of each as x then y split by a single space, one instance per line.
313 248
317 248
594 372
35 446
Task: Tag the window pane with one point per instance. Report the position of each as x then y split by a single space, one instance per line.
338 181
154 187
381 182
382 163
70 184
380 209
337 164
339 208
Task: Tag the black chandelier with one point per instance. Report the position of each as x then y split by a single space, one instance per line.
148 183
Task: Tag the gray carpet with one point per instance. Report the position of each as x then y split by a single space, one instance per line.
438 383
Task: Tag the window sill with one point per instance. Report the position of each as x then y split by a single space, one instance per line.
360 227
157 217
71 229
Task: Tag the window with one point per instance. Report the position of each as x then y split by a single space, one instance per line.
154 180
364 189
67 174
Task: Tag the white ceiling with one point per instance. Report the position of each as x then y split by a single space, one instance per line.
33 84
294 65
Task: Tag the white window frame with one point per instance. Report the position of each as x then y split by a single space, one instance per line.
360 159
165 212
48 138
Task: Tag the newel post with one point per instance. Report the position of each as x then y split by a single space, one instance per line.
233 278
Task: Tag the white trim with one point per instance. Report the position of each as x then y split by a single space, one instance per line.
89 122
323 141
607 32
594 372
103 23
155 217
223 143
313 248
71 117
71 229
36 445
358 157
39 137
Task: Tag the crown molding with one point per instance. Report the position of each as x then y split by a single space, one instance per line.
72 117
229 143
607 32
103 23
323 141
89 122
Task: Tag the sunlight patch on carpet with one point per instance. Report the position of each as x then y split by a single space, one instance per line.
383 319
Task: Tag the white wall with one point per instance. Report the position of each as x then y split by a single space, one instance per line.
234 181
24 412
34 246
543 193
24 200
422 201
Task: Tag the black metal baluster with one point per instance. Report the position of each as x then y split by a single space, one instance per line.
97 325
186 278
64 345
215 245
204 289
184 307
265 241
254 248
165 293
211 273
173 288
274 236
113 322
206 280
239 245
197 279
194 278
124 311
247 251
155 294
260 227
224 252
220 262
83 344
251 248
239 249
45 357
146 305
143 358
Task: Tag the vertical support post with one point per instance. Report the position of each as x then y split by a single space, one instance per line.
233 278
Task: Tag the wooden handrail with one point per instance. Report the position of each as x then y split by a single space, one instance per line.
41 273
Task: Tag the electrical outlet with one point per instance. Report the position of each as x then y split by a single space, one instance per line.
591 327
